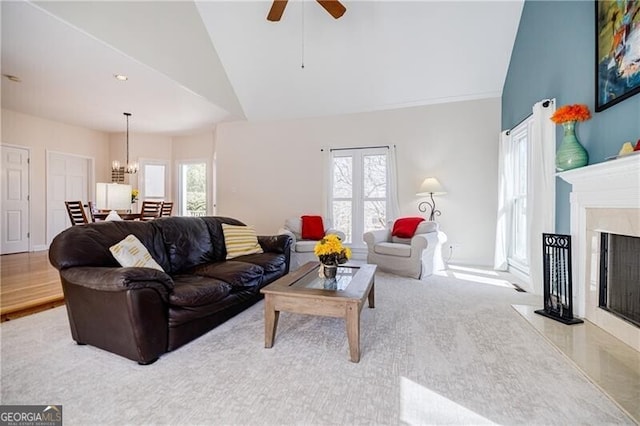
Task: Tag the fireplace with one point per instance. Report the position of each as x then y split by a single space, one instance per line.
619 278
605 201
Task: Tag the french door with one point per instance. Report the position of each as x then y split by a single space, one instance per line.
359 192
69 178
193 188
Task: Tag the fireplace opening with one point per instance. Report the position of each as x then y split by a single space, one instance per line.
620 276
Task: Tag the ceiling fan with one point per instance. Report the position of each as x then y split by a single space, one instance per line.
334 7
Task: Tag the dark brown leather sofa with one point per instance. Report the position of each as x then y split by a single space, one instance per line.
141 313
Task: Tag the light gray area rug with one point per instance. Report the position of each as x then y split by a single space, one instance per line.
444 351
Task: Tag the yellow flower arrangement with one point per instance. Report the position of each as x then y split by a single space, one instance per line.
330 250
134 195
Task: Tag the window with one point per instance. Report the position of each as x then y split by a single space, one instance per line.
153 180
518 256
359 191
193 188
526 194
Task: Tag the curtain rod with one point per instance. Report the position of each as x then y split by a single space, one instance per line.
544 104
357 147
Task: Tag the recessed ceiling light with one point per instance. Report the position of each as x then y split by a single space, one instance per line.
121 77
13 78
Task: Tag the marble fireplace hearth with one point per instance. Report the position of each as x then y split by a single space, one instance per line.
605 198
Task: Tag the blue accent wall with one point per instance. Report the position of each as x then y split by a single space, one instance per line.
554 57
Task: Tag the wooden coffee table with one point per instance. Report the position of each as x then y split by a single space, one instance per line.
303 292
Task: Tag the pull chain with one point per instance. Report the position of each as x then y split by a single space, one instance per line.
302 61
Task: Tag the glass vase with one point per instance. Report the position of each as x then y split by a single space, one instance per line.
329 272
571 154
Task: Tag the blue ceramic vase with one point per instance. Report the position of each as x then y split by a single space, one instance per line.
570 154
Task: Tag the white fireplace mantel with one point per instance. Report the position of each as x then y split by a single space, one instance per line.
621 174
612 184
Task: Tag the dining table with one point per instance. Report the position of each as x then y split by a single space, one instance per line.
123 216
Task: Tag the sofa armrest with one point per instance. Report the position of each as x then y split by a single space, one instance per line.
420 242
340 234
283 231
427 226
372 238
275 243
119 279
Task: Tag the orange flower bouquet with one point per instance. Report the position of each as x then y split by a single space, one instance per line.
576 112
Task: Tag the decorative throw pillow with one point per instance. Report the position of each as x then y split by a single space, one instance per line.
240 240
405 227
131 252
312 227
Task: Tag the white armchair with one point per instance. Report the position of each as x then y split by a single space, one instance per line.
416 257
301 249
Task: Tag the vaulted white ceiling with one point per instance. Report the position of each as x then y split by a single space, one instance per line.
191 65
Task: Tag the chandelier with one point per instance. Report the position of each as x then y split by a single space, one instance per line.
118 171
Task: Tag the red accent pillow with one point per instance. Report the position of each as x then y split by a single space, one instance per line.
312 228
405 227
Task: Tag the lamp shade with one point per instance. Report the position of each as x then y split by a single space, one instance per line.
113 196
431 186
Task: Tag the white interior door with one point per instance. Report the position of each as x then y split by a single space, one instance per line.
15 200
67 180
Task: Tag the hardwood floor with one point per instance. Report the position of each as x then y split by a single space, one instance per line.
28 284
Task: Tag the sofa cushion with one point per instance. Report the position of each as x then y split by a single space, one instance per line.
195 290
237 274
393 249
131 252
305 246
399 240
240 240
269 262
187 242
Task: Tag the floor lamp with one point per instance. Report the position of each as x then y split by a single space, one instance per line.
430 187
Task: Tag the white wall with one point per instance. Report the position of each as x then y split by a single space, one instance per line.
269 171
44 135
41 135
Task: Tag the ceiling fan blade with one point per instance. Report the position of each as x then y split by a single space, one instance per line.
334 7
277 9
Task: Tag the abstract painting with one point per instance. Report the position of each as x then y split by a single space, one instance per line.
617 51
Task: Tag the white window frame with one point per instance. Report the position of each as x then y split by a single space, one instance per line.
143 162
521 134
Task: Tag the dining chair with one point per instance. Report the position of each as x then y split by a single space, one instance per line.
91 211
150 210
167 207
76 212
